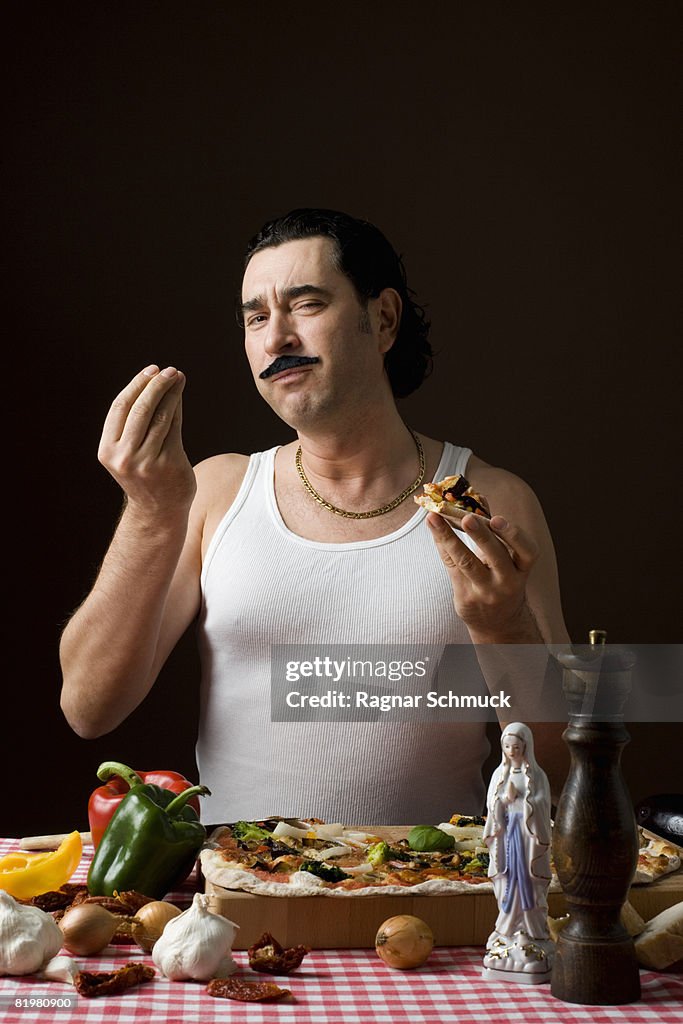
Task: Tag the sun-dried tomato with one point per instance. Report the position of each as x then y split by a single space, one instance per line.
112 983
120 903
58 899
268 955
246 991
132 901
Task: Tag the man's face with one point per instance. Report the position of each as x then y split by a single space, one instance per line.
297 304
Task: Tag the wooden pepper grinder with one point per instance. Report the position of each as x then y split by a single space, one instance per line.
595 839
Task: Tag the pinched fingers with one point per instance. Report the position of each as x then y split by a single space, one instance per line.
164 436
146 402
150 416
122 404
143 419
162 422
142 446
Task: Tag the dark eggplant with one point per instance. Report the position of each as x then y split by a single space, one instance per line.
663 815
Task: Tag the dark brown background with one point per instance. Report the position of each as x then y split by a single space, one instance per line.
524 163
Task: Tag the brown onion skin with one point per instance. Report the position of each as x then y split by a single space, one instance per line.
404 942
87 929
150 922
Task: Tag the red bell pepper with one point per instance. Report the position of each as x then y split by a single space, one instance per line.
118 779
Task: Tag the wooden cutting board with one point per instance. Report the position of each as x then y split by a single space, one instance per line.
461 919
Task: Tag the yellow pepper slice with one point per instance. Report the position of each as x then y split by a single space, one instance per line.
19 859
24 875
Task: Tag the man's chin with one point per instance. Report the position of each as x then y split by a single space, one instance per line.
299 412
290 410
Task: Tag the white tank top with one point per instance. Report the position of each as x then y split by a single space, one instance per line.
263 585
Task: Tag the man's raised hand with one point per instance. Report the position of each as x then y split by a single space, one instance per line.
489 588
141 444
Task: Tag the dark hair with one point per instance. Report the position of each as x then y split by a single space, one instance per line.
365 256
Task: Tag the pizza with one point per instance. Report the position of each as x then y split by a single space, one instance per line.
656 857
288 857
304 857
452 497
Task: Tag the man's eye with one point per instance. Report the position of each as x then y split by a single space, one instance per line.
258 319
309 305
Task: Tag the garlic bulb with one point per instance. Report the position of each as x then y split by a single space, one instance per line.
197 944
29 937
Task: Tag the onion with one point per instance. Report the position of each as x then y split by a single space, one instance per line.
150 921
87 928
283 829
332 851
404 941
331 831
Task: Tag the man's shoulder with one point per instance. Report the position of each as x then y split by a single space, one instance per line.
219 466
506 492
219 477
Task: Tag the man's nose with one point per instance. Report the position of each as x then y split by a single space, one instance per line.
281 335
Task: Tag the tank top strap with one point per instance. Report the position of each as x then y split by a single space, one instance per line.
454 459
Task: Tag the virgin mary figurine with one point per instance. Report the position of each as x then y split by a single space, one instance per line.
517 833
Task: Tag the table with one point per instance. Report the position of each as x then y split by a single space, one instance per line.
335 987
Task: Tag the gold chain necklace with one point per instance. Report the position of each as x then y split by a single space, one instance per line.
375 511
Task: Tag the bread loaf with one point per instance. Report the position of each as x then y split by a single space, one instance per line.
660 944
631 920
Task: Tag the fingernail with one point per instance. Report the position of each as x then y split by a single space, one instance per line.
170 371
149 371
498 523
472 523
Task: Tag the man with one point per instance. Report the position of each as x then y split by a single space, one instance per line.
272 549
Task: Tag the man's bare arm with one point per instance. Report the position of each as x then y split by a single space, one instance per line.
544 602
508 592
147 590
145 596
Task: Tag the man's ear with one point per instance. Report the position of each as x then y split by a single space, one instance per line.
388 313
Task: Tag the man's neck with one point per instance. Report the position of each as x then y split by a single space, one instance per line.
356 454
360 448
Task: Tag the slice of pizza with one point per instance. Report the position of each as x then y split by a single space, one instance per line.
656 858
454 498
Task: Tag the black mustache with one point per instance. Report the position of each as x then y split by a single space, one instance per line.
287 363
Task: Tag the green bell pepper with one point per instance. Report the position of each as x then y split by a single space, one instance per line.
151 841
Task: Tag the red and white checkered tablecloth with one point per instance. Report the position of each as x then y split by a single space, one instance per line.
333 987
